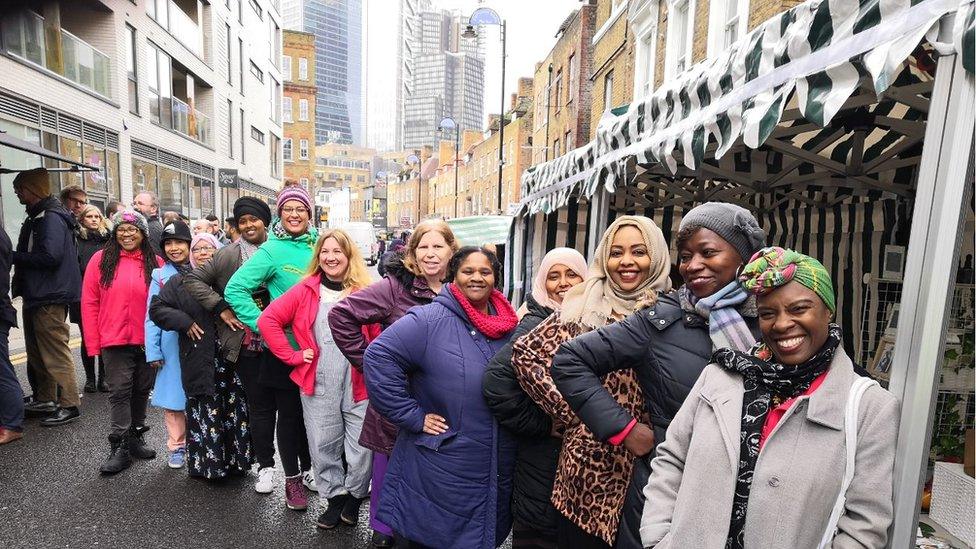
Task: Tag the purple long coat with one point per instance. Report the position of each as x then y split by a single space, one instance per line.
383 303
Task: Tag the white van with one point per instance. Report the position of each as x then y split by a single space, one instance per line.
364 235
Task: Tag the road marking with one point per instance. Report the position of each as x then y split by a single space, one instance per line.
21 358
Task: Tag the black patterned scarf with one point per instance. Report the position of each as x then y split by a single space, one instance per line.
767 383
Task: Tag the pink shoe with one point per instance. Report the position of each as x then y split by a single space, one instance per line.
295 496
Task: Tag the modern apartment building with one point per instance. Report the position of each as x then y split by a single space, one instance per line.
298 107
338 29
178 97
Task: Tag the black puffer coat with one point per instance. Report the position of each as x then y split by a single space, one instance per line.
174 309
88 245
667 348
538 451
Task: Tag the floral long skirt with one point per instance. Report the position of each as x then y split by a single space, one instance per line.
218 438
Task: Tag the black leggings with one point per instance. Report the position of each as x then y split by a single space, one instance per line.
568 534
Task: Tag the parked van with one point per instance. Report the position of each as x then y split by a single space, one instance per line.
364 235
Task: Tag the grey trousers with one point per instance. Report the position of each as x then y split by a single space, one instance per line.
333 422
129 380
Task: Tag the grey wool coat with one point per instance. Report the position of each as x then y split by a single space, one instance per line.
797 477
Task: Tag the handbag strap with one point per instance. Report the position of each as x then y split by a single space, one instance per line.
858 388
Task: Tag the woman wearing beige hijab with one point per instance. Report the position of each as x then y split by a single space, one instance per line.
630 268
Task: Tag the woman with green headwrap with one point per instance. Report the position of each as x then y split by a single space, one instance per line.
768 465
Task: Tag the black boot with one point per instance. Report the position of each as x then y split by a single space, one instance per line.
350 511
90 386
137 446
118 460
332 516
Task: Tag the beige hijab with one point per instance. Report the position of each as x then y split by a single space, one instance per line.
599 299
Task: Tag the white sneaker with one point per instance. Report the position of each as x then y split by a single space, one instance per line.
265 482
308 479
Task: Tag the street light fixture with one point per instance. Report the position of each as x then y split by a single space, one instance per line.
488 16
446 124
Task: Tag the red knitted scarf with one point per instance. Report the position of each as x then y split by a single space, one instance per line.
492 326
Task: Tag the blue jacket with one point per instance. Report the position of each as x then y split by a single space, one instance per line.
46 260
453 489
164 345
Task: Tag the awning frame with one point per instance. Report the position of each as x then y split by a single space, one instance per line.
8 140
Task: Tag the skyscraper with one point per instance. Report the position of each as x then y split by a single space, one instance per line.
448 79
338 29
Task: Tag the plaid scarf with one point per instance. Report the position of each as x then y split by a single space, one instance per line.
723 310
763 379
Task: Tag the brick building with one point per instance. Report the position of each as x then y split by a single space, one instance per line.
561 119
339 166
612 60
298 106
406 193
444 199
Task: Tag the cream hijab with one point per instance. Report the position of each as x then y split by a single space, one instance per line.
557 256
599 299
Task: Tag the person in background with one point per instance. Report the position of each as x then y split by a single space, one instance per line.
91 235
113 302
278 265
534 523
202 226
218 443
414 278
163 346
46 277
74 199
668 345
239 345
230 230
333 393
395 248
449 479
147 204
170 216
11 393
112 208
630 268
794 400
216 230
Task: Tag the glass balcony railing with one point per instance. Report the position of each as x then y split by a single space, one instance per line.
185 29
191 122
79 61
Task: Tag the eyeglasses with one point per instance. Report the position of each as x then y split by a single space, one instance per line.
292 211
128 230
201 249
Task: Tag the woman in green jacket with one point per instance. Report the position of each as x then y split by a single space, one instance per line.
277 266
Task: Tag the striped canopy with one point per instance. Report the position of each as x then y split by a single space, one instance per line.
481 229
813 57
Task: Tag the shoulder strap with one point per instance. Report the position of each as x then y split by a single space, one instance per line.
858 388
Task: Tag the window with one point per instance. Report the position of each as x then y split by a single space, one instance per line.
240 16
130 61
557 84
243 134
286 149
257 135
304 182
286 68
555 148
680 34
568 140
303 109
160 78
303 149
608 91
731 30
240 62
286 109
275 42
230 57
257 72
302 68
274 158
646 59
257 9
230 129
574 73
274 99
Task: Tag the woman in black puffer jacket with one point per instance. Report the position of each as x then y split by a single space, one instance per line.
538 442
91 235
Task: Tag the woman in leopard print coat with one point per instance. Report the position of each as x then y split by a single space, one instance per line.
630 267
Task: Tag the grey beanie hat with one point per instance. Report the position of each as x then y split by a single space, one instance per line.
733 223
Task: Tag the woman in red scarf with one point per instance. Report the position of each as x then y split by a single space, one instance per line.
449 479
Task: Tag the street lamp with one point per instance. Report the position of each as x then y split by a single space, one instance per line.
447 124
415 160
488 16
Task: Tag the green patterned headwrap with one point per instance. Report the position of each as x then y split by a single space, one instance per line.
773 267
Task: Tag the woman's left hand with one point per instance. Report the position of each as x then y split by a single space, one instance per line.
435 424
195 332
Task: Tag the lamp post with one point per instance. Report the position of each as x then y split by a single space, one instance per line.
413 159
446 124
488 16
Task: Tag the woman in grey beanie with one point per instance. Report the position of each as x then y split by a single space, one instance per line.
667 345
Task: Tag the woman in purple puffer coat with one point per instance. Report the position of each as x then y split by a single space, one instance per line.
411 279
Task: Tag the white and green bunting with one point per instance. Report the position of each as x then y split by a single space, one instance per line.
815 55
481 229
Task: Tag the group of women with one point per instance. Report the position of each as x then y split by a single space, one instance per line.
610 410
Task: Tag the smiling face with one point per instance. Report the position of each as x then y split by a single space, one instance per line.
794 322
202 252
433 254
76 202
476 279
559 280
252 229
629 263
177 251
294 217
333 260
128 236
707 262
91 220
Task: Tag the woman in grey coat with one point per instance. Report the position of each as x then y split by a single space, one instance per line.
786 400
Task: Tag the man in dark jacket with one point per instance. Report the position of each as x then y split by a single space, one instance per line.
48 280
147 204
11 394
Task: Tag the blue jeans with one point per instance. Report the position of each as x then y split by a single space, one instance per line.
11 394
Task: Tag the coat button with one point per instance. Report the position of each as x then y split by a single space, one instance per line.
652 313
662 322
474 332
774 482
689 318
